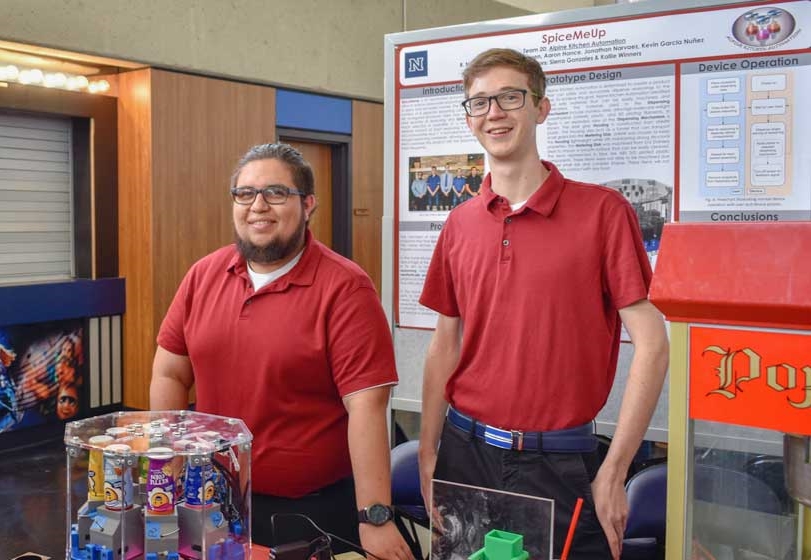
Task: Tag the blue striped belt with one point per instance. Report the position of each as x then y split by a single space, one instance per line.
579 439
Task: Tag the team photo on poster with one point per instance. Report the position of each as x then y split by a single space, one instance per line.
440 183
41 373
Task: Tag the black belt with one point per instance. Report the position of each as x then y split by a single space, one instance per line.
579 439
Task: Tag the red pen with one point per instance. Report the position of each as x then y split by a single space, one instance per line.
570 535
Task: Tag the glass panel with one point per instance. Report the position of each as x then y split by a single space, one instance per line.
741 508
158 483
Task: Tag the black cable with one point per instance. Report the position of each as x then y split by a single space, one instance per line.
355 546
237 500
300 516
325 545
329 536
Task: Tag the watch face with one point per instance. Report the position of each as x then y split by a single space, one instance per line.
378 514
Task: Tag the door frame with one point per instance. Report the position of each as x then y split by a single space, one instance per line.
341 147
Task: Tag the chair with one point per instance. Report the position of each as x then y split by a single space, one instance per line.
647 510
406 496
733 488
769 469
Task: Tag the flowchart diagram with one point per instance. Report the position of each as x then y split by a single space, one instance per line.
746 125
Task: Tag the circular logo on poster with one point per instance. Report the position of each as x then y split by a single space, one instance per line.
763 27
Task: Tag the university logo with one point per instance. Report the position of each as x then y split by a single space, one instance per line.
416 64
763 28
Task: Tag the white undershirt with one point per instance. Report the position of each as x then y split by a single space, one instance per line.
517 205
260 280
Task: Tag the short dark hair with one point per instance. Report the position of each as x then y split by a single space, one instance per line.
299 167
509 58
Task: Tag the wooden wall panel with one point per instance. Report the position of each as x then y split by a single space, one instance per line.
367 187
181 137
105 192
201 127
135 252
319 156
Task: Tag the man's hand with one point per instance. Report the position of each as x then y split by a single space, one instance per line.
427 462
427 465
642 388
385 542
611 504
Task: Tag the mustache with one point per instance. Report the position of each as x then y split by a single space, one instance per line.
275 250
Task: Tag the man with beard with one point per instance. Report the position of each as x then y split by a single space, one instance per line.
282 332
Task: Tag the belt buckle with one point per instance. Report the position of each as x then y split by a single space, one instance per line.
518 439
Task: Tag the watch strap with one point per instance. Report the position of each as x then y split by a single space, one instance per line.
363 514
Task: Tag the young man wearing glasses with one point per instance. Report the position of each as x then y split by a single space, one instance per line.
532 280
289 336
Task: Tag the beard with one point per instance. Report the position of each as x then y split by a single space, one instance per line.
276 250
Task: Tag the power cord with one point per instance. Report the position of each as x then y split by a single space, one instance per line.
323 543
355 546
326 538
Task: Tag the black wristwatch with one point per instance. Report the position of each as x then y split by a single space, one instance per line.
376 514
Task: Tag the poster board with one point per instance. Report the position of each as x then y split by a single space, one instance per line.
691 109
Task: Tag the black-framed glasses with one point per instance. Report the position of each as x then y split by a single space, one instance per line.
273 194
506 100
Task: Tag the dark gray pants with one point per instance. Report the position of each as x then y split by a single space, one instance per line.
332 508
563 477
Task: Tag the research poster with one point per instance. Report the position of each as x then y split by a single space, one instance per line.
693 115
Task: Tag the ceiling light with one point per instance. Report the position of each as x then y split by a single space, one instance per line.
9 72
58 80
35 76
98 86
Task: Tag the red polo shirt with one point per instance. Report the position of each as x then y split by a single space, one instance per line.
283 357
538 292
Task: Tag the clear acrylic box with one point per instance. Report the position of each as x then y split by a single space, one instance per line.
165 485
